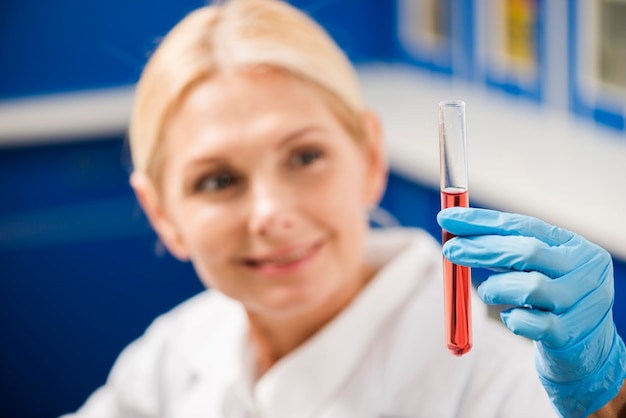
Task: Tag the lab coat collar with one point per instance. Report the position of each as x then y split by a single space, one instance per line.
305 380
211 357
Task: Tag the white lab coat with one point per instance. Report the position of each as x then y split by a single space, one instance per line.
383 356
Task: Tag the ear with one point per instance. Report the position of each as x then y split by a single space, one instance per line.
152 205
377 169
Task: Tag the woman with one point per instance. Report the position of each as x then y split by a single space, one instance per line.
256 159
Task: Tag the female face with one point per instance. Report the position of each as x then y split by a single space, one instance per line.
265 192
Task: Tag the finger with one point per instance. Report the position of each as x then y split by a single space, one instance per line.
533 324
536 290
514 252
560 330
474 221
523 289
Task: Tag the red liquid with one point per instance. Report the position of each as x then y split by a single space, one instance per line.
456 281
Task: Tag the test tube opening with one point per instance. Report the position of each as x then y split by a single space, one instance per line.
452 146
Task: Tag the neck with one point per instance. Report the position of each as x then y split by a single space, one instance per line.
273 336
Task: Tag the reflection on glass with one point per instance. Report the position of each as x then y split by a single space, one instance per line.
520 18
612 43
437 19
431 19
425 28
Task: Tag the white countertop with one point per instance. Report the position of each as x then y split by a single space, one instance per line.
522 157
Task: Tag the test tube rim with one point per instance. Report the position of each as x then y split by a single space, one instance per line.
451 103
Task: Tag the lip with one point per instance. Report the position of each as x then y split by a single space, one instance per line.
283 261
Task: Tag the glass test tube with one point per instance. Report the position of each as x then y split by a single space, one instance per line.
453 185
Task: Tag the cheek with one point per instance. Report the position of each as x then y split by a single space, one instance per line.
210 234
340 197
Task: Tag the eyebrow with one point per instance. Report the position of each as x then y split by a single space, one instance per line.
300 133
203 161
197 163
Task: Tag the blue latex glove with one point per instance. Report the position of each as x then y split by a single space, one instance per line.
561 287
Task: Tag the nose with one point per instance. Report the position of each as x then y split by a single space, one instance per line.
271 209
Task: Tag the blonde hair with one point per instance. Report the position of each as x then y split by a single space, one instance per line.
238 35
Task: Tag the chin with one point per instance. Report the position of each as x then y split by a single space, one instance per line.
289 303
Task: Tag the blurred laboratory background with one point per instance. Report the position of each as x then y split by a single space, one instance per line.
81 272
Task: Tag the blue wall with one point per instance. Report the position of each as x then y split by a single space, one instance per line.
56 46
80 278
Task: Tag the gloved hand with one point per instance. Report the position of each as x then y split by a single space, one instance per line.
561 287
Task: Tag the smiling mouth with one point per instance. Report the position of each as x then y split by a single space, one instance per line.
289 259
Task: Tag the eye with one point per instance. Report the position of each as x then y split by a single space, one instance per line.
215 182
307 157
